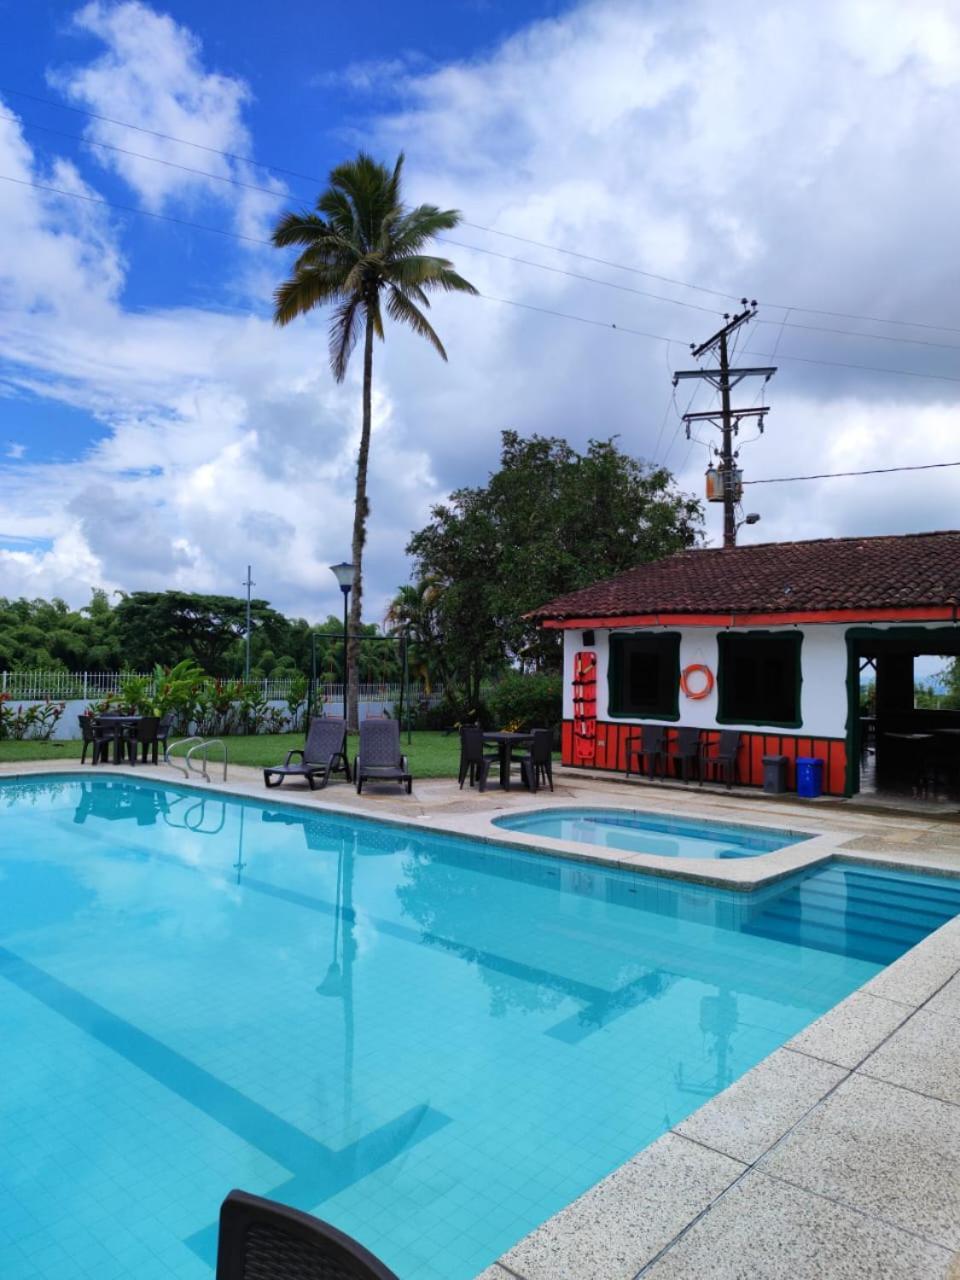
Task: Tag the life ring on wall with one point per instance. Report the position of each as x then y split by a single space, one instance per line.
696 668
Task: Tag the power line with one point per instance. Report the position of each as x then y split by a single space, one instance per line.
541 244
139 155
512 302
872 471
251 186
123 124
853 333
864 368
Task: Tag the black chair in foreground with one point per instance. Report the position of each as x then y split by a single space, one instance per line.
96 737
379 758
684 754
138 738
262 1240
474 761
323 753
536 765
646 748
721 763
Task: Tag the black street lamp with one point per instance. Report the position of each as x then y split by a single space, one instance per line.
344 576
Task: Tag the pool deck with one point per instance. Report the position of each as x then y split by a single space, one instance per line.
838 1155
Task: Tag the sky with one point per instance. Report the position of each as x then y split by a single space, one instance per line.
667 156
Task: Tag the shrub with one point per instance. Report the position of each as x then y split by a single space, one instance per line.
520 702
35 721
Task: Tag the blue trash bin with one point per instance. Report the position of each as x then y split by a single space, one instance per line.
809 777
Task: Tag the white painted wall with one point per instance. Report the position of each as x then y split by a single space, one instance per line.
823 695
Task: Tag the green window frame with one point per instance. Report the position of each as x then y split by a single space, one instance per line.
643 676
759 678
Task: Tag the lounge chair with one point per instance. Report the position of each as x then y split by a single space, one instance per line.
379 758
262 1240
323 753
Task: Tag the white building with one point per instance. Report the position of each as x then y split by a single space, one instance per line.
771 641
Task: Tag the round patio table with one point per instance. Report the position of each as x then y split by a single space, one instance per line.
505 743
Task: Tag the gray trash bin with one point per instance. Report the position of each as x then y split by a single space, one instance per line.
775 775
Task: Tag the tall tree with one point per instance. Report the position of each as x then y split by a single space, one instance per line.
361 250
550 520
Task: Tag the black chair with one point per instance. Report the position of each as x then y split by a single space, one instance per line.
262 1240
164 729
96 737
647 749
684 754
140 737
536 765
379 758
475 763
324 753
722 763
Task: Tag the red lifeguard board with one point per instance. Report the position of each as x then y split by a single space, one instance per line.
584 707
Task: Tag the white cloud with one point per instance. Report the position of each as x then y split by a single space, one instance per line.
16 450
812 163
151 74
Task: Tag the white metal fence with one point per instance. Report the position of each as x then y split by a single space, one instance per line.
62 686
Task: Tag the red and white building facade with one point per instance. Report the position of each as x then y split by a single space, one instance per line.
769 640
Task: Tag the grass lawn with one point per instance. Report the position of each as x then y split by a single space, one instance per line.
431 754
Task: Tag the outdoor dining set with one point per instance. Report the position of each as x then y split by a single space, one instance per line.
126 738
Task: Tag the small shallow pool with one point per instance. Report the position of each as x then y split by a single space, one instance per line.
639 832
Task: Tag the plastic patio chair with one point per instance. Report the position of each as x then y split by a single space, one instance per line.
722 762
474 761
379 758
536 765
262 1240
646 748
684 754
96 737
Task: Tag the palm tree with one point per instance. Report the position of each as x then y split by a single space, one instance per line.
361 248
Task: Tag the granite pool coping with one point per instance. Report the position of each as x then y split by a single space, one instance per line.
836 1156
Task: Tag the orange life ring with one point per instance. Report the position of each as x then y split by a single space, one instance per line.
687 672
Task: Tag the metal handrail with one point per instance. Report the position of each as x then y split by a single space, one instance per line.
186 765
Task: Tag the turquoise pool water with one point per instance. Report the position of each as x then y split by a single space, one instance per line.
639 832
433 1043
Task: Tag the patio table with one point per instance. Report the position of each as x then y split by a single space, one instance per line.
119 725
505 743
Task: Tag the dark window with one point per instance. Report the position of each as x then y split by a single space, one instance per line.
759 678
645 675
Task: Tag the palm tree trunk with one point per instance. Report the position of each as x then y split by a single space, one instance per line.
360 511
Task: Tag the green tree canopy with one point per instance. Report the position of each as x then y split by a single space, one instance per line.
155 625
549 521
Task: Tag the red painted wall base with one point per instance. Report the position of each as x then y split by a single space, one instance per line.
611 753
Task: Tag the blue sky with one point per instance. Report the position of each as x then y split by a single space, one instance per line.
803 156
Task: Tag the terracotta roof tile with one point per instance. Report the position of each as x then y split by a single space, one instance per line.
903 571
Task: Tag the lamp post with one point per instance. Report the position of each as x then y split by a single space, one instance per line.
344 576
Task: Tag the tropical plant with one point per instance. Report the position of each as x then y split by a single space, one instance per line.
361 248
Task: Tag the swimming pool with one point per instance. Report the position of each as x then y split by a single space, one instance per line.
433 1043
638 832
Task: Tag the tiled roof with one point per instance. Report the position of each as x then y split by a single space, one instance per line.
891 572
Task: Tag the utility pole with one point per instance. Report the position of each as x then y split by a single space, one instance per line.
246 661
724 484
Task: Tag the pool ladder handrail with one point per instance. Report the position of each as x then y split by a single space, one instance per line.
187 763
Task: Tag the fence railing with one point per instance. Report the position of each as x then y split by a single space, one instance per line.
63 686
